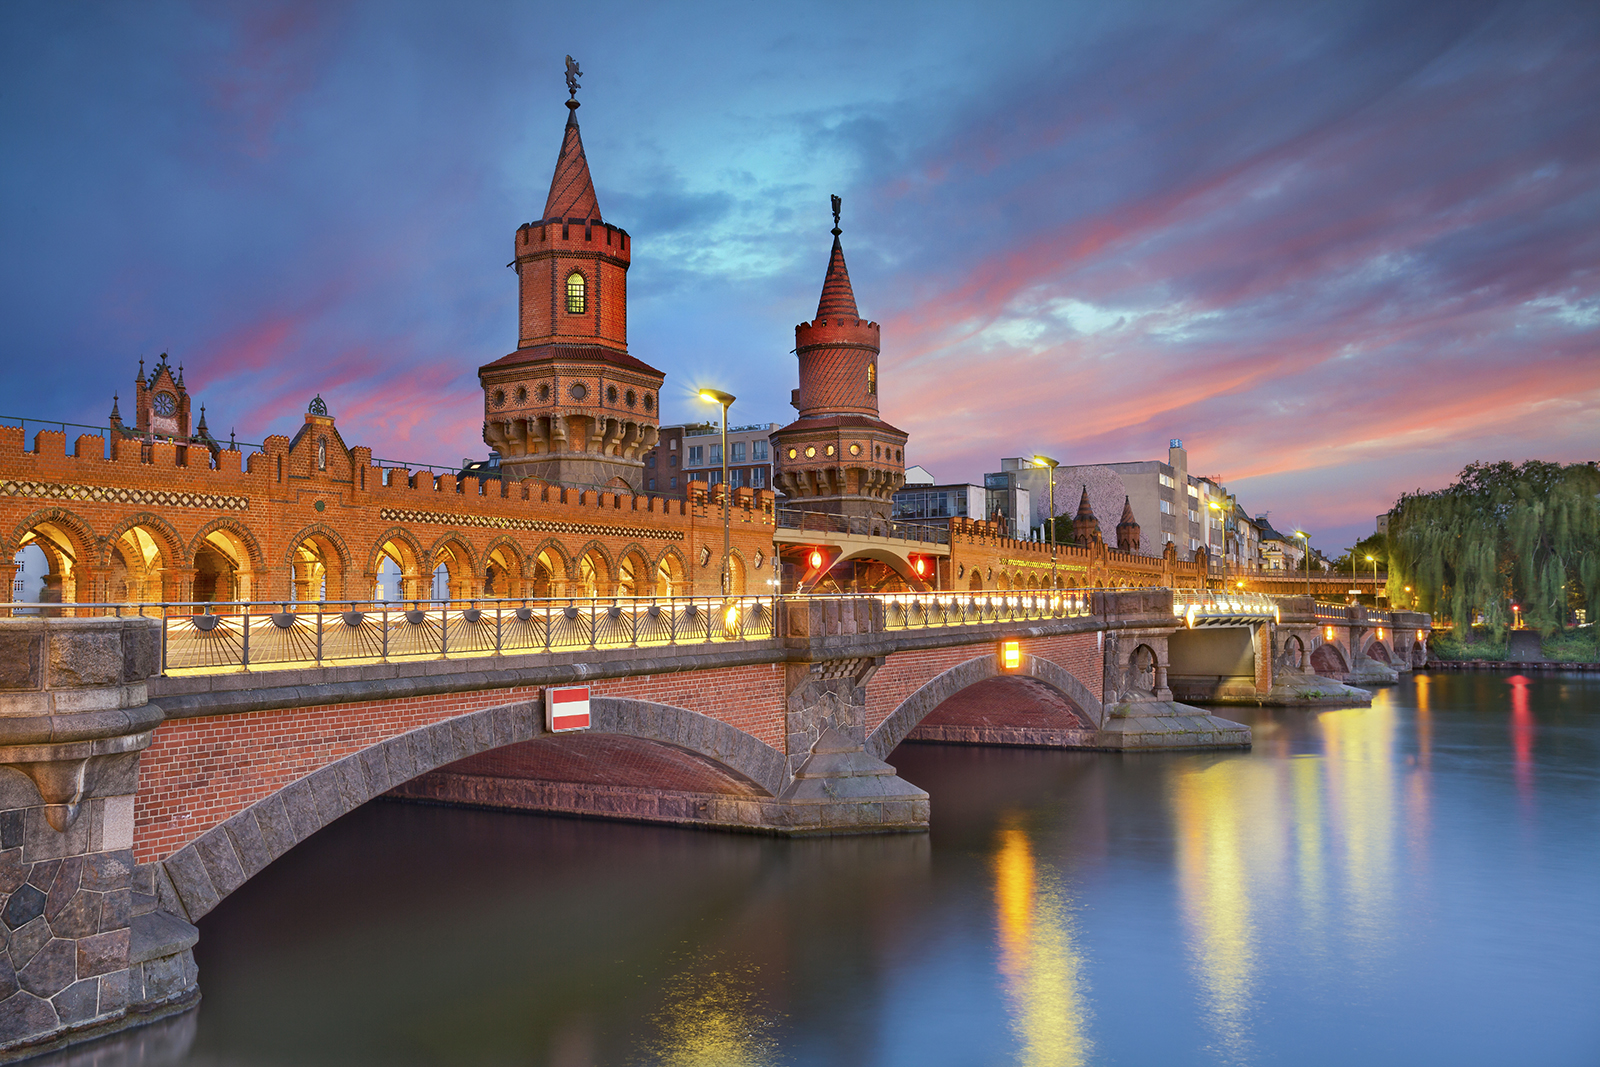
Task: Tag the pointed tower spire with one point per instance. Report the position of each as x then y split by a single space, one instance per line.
838 298
1085 527
1128 529
571 188
116 416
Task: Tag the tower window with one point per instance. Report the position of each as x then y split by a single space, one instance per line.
872 379
575 294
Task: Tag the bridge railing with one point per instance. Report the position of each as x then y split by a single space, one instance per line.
253 635
926 611
1209 604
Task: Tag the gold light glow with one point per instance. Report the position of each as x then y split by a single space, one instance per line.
1010 655
1041 964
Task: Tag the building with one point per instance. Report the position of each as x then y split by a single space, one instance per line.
694 451
928 502
838 457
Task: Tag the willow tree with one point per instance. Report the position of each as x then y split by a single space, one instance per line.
1501 535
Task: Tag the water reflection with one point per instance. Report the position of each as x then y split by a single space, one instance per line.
1209 808
1521 738
1041 963
1361 784
712 1016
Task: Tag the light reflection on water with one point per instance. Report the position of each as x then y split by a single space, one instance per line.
1413 882
1039 960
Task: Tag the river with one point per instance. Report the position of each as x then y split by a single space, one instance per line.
1412 883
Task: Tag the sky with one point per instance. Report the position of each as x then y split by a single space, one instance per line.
1340 249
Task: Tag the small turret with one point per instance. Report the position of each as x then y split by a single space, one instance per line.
1127 529
1085 527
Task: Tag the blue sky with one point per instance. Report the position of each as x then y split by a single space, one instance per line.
1341 249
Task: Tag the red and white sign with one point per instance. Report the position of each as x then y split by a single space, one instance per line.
566 708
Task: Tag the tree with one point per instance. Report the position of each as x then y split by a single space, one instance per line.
1501 535
1374 545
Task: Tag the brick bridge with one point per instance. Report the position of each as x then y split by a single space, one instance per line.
144 783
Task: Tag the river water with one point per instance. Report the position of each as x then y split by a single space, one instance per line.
1413 883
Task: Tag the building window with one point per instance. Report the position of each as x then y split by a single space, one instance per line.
575 294
322 453
652 483
672 482
672 445
1193 491
714 478
672 461
758 478
697 456
716 455
1194 516
872 379
1166 507
736 452
760 452
733 478
1166 481
650 461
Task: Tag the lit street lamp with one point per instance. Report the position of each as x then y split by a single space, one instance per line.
1046 461
1374 561
1218 508
717 396
1307 539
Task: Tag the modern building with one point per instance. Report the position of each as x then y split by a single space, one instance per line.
937 503
694 450
1008 501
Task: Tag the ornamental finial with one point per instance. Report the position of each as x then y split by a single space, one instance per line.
573 74
837 203
318 406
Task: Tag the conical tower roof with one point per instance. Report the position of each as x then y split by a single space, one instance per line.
1084 510
571 188
838 299
1127 514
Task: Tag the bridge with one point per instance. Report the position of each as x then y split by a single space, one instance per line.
158 756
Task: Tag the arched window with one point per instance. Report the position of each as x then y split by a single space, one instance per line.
872 378
575 294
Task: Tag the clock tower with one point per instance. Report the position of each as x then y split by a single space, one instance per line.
570 405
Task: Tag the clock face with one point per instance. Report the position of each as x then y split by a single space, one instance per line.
166 405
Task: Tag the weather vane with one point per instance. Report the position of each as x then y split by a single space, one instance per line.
836 204
573 74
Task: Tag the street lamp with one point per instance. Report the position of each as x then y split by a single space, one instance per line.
717 396
1218 508
1046 461
1307 539
1374 561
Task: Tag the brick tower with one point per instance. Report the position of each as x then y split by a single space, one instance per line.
1127 529
838 456
570 405
1085 527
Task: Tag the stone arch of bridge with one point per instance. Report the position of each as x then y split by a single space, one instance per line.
941 687
1375 649
198 876
1328 658
899 563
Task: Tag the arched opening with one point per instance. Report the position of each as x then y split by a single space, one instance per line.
549 576
669 575
1377 652
222 568
577 299
1327 659
1419 655
502 574
1003 583
397 571
137 568
390 583
452 572
594 577
735 576
975 583
988 709
33 568
316 570
1142 669
632 575
1294 653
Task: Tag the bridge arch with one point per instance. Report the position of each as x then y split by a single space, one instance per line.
227 560
671 572
1328 658
205 871
503 567
400 548
1376 650
144 556
318 561
941 687
1294 653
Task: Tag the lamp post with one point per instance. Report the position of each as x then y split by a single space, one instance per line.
1051 465
1217 507
1307 539
1374 561
717 396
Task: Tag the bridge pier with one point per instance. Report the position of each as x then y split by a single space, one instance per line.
84 952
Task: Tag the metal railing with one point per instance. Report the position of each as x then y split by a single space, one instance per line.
1222 604
208 637
827 522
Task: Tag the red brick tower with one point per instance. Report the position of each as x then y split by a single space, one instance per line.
838 456
1085 527
570 405
160 403
1128 529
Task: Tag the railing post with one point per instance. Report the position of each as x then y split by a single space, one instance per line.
386 632
498 608
444 631
319 634
246 664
